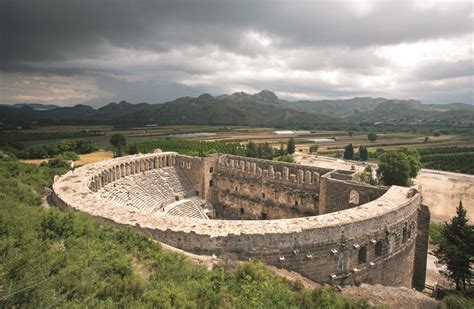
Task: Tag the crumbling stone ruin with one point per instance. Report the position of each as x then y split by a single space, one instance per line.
322 223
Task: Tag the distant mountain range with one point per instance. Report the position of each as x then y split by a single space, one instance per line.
260 109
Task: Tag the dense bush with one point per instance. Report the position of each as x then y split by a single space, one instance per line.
54 259
286 158
43 151
68 156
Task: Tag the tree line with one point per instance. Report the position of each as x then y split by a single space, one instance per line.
43 151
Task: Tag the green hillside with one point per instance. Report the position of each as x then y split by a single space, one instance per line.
50 258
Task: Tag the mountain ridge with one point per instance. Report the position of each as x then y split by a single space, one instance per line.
240 108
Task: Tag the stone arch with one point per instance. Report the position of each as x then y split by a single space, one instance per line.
378 248
362 255
354 197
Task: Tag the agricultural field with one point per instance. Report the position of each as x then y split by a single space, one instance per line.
332 141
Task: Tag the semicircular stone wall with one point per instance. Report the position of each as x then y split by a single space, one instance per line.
319 222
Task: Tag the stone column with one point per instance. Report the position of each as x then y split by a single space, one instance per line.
299 175
271 172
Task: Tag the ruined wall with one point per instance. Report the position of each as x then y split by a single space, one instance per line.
421 250
247 188
329 254
199 171
111 170
374 243
336 194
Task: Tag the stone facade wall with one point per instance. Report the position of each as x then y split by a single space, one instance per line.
248 188
323 254
370 243
337 195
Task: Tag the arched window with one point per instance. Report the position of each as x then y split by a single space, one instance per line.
378 248
362 257
405 234
354 197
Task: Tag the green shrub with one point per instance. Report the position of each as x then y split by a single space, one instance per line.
68 156
288 158
457 301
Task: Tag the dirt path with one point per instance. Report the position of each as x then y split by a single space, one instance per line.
441 190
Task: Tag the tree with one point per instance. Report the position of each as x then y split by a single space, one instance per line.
349 152
133 149
265 151
350 133
251 150
363 153
456 249
282 151
372 137
118 141
394 169
414 159
291 147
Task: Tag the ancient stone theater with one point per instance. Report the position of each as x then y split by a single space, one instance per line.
322 223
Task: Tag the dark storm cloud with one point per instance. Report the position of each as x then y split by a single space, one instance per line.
57 29
154 50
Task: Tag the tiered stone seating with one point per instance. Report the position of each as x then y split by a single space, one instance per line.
189 208
148 191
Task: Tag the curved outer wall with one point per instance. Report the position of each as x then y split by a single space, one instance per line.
368 243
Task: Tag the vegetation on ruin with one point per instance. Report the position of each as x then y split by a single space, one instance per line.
50 258
286 158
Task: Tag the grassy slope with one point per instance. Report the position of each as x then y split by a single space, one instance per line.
50 258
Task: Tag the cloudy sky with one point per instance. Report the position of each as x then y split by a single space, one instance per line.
93 52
